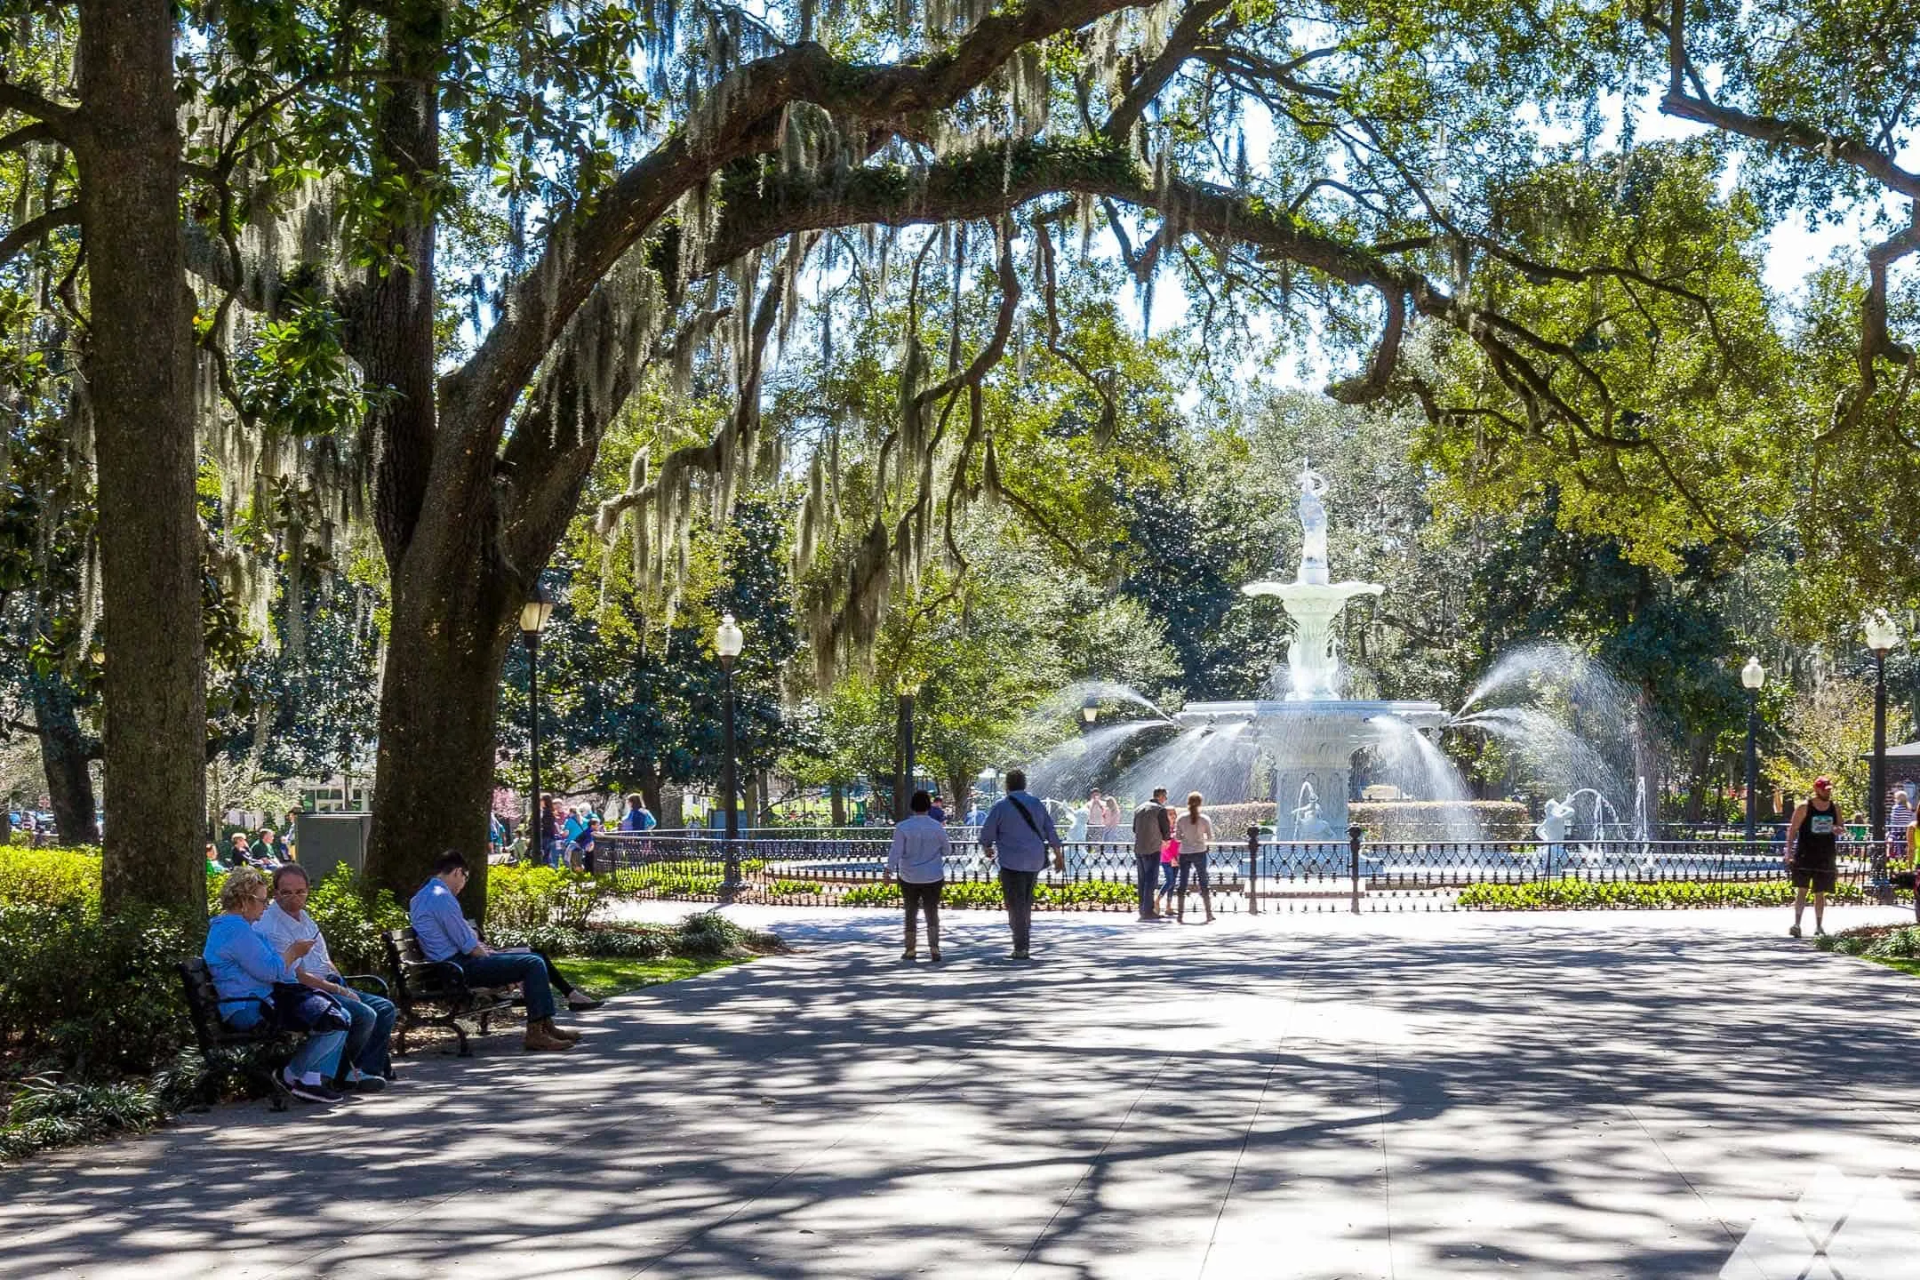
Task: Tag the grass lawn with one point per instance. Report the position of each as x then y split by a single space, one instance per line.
1902 963
610 977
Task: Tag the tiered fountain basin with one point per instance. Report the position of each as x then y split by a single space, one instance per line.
1312 744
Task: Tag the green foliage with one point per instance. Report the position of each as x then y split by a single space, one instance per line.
1876 942
1588 895
92 998
49 1112
59 878
352 917
703 935
524 897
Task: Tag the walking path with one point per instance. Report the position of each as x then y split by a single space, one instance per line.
1306 1096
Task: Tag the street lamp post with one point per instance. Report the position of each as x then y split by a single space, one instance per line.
1882 636
728 641
1089 714
533 620
1752 677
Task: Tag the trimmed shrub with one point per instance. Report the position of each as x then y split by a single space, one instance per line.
526 897
1419 820
1614 895
1387 820
704 935
93 998
50 877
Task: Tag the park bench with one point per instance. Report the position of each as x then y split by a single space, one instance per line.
258 1052
435 993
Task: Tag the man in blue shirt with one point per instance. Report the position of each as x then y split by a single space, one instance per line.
1019 831
444 934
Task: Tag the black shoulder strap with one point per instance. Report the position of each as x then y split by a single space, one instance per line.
1027 818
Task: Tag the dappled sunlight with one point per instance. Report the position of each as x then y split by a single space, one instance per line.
1556 1096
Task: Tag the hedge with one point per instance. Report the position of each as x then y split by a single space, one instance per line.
1606 895
1384 820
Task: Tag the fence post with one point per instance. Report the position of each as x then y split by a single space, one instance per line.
1353 849
1253 868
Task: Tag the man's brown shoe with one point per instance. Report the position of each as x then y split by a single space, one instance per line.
559 1032
541 1040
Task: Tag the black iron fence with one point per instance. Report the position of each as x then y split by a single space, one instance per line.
1259 874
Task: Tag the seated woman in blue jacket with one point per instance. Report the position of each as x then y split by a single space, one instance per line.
247 972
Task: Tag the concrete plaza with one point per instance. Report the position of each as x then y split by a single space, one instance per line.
1295 1096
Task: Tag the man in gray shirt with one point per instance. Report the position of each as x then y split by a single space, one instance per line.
1152 828
1019 831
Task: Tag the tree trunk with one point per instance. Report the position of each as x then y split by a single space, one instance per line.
139 374
1699 754
957 795
65 754
837 803
439 705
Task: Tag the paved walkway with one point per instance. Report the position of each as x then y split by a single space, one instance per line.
1320 1096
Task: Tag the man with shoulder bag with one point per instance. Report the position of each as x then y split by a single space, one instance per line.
1019 831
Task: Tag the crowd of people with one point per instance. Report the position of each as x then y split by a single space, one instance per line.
268 960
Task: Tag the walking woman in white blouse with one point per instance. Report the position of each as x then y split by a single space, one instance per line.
1194 831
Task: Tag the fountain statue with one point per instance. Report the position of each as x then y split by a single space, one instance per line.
1313 601
1313 526
1557 817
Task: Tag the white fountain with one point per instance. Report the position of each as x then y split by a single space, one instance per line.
1313 733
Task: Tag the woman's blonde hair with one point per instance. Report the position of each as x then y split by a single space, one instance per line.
1193 801
241 883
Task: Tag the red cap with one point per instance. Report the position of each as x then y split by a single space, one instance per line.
1823 782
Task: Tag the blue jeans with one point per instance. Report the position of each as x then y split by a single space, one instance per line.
293 1006
506 970
367 1038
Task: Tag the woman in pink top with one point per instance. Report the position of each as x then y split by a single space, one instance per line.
1194 831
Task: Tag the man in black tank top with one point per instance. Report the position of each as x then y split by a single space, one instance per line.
1812 854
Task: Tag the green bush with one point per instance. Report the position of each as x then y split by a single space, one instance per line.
789 888
50 877
526 897
1578 895
1423 820
89 997
681 878
705 935
352 916
1878 942
47 1112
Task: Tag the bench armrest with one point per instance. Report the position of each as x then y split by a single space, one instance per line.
363 981
444 973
